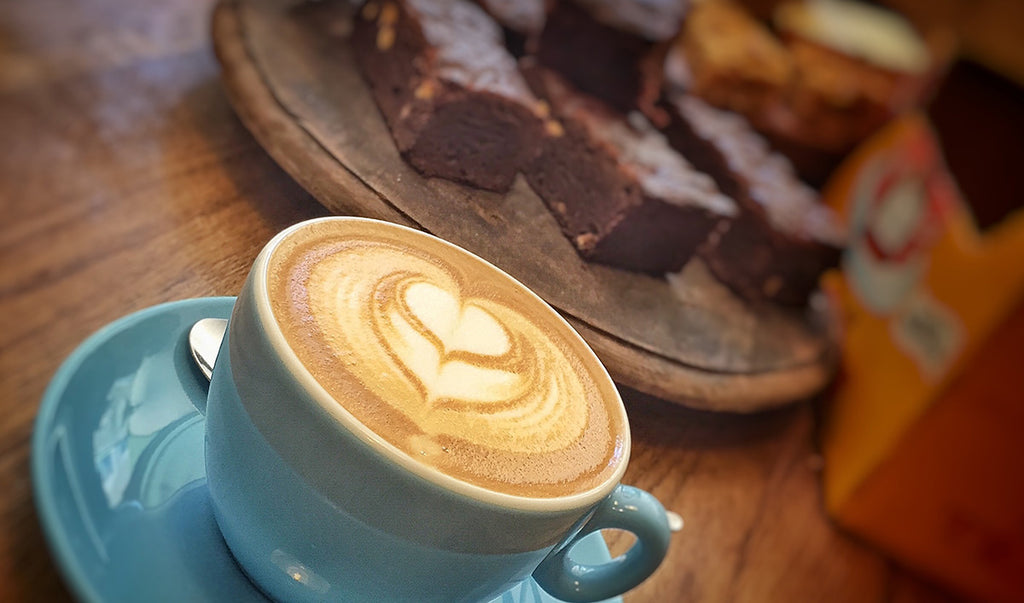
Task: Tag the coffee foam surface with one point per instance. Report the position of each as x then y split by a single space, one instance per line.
446 359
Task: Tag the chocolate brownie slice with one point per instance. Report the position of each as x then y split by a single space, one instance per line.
612 49
784 239
451 94
620 193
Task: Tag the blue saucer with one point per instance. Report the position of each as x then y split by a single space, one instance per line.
119 474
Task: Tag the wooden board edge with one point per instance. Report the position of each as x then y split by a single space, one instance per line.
705 390
326 178
333 185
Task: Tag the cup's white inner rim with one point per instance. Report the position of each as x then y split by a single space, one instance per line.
326 401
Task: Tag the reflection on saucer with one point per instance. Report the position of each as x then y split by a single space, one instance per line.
119 472
141 408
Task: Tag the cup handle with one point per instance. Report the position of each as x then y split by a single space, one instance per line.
626 508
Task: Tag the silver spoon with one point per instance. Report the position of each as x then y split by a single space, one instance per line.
206 335
204 338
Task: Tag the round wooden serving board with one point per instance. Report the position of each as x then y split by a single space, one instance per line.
290 76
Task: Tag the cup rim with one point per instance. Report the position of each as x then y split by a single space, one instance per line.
388 450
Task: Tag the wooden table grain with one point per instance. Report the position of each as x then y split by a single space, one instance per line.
126 180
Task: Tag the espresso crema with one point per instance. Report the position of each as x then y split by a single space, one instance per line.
446 358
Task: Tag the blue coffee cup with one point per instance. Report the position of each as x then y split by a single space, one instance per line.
315 506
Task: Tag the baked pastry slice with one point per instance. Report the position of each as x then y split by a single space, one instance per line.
612 49
784 238
620 193
450 92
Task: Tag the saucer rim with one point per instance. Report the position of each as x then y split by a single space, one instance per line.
75 576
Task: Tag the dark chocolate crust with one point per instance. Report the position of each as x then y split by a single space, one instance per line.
455 103
784 239
609 49
620 193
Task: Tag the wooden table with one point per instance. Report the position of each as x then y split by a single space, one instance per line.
126 180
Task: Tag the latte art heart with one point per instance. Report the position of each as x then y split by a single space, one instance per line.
453 351
456 327
459 365
445 361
